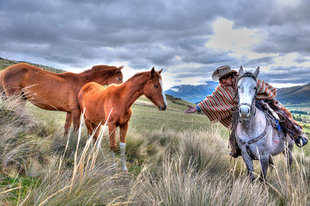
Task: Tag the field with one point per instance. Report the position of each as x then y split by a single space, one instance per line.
173 159
301 113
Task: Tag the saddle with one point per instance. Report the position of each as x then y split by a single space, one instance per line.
281 117
277 115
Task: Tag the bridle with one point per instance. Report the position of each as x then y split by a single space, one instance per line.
252 105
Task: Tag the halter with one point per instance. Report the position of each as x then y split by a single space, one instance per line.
252 105
253 108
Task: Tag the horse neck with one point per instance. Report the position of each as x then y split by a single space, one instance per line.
132 89
255 124
93 76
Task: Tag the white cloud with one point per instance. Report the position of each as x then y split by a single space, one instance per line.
238 42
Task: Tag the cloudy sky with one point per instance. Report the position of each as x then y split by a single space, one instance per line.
189 39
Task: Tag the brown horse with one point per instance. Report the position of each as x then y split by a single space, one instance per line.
53 91
97 102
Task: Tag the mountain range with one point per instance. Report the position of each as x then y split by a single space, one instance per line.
193 93
197 93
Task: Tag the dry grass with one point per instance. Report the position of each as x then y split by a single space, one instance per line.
167 167
86 179
200 173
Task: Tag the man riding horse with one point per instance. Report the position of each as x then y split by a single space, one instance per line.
221 104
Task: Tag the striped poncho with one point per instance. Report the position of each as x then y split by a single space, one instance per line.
220 105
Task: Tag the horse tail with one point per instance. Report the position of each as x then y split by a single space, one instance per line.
80 99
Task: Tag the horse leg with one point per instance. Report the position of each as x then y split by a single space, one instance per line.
89 127
122 144
288 154
76 116
264 162
249 164
68 123
112 128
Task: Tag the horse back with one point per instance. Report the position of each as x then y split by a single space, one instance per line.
23 75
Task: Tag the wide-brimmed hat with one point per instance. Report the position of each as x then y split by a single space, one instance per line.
222 71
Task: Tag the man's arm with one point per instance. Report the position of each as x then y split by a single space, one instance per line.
192 109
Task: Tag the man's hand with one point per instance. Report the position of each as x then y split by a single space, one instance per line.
190 109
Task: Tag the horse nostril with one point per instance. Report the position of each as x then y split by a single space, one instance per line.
162 108
244 110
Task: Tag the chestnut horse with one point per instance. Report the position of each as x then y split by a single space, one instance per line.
97 102
55 91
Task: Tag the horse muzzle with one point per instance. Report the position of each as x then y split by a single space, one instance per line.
244 111
162 108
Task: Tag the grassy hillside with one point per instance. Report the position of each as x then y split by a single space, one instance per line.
173 159
295 95
4 63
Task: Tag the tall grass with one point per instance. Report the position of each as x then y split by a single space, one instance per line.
89 179
167 167
197 171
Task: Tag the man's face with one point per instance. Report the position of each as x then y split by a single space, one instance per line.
226 81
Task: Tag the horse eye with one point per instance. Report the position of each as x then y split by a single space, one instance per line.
156 86
119 78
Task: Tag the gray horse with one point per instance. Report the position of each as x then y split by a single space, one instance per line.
255 136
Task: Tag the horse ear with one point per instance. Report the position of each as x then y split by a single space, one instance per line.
120 68
256 72
241 71
152 72
160 70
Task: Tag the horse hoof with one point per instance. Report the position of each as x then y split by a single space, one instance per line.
125 169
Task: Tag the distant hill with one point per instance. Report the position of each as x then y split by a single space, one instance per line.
197 93
193 93
4 63
294 95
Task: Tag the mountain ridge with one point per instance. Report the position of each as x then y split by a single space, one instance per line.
197 93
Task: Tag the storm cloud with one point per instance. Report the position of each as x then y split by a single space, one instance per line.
188 38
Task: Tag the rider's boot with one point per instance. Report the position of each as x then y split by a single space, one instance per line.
290 126
301 140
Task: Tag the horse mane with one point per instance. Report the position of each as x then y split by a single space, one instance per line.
100 68
137 75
